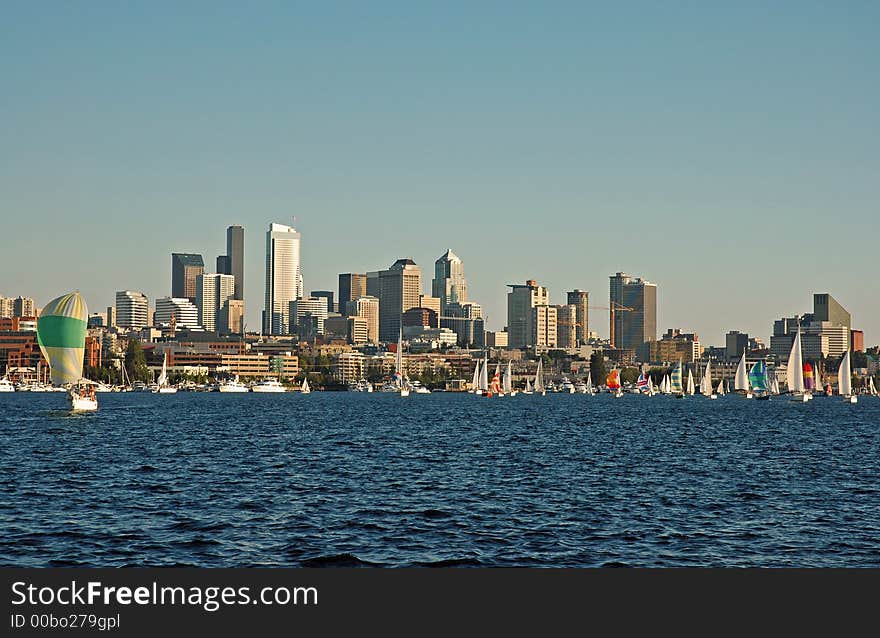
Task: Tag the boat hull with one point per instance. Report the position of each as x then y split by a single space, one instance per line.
82 404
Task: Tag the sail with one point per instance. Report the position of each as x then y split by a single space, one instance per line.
844 376
642 383
496 380
305 386
741 381
691 388
539 377
476 380
651 390
808 377
613 379
528 386
589 381
706 383
506 384
398 364
758 376
794 373
872 389
675 379
61 333
484 374
720 390
163 378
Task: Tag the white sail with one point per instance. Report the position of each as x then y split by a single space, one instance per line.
844 376
484 374
720 390
872 389
163 378
795 373
706 383
506 384
475 382
398 366
690 387
305 389
589 381
539 377
741 381
528 386
651 390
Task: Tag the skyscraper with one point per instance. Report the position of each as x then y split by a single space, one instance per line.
368 309
284 281
521 300
826 308
328 295
466 320
580 299
449 284
235 258
23 307
132 309
212 291
312 308
567 326
185 267
352 285
184 312
399 290
635 311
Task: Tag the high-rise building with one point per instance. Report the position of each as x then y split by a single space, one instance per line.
374 286
544 326
185 313
635 311
24 307
580 299
223 265
132 309
352 285
735 343
400 287
826 308
111 316
567 326
230 319
466 320
328 295
212 291
185 267
367 308
857 341
235 258
6 307
449 284
312 308
284 281
431 303
521 300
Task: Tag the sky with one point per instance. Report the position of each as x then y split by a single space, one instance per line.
726 151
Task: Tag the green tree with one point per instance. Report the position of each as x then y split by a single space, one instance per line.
629 375
136 362
597 368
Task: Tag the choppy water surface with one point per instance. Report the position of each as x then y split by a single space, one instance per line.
441 479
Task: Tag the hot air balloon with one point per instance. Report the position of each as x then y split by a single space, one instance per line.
61 332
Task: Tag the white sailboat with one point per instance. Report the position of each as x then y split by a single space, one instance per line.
720 390
162 386
475 382
528 389
741 380
304 388
400 378
691 389
872 389
794 374
706 382
539 379
651 389
591 390
844 380
507 381
484 375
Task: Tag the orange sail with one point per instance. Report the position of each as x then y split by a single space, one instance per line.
613 379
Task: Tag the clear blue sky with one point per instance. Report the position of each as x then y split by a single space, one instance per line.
727 151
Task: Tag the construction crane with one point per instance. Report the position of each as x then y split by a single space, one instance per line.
612 309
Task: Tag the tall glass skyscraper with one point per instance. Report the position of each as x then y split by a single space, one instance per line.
284 282
449 283
635 316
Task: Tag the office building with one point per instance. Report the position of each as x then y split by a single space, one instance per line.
675 346
24 307
544 327
352 285
735 343
857 341
235 258
567 326
223 265
6 307
352 329
308 315
431 303
111 316
182 310
132 310
826 308
327 294
497 339
580 299
449 284
521 300
230 319
418 316
212 291
284 282
400 287
634 301
465 319
185 268
374 286
368 309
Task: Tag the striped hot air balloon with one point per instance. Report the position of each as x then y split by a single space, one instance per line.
61 332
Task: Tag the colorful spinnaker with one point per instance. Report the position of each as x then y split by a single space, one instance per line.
613 379
675 385
61 333
758 376
808 377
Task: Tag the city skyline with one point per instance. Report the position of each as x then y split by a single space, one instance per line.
556 146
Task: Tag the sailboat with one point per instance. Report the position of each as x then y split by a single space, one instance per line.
61 333
528 389
399 378
495 386
741 380
795 371
591 390
651 389
475 382
872 389
613 383
507 381
691 390
720 390
304 388
675 386
844 380
539 379
162 386
642 384
758 380
706 382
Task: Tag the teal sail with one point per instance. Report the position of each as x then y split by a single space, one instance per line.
61 333
675 380
758 377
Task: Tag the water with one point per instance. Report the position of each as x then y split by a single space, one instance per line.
441 479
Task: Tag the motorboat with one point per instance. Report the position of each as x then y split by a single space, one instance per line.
268 385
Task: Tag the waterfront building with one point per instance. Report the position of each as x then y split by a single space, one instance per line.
673 346
212 291
132 309
352 285
184 312
580 299
400 287
635 317
284 282
367 308
521 301
185 268
449 284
